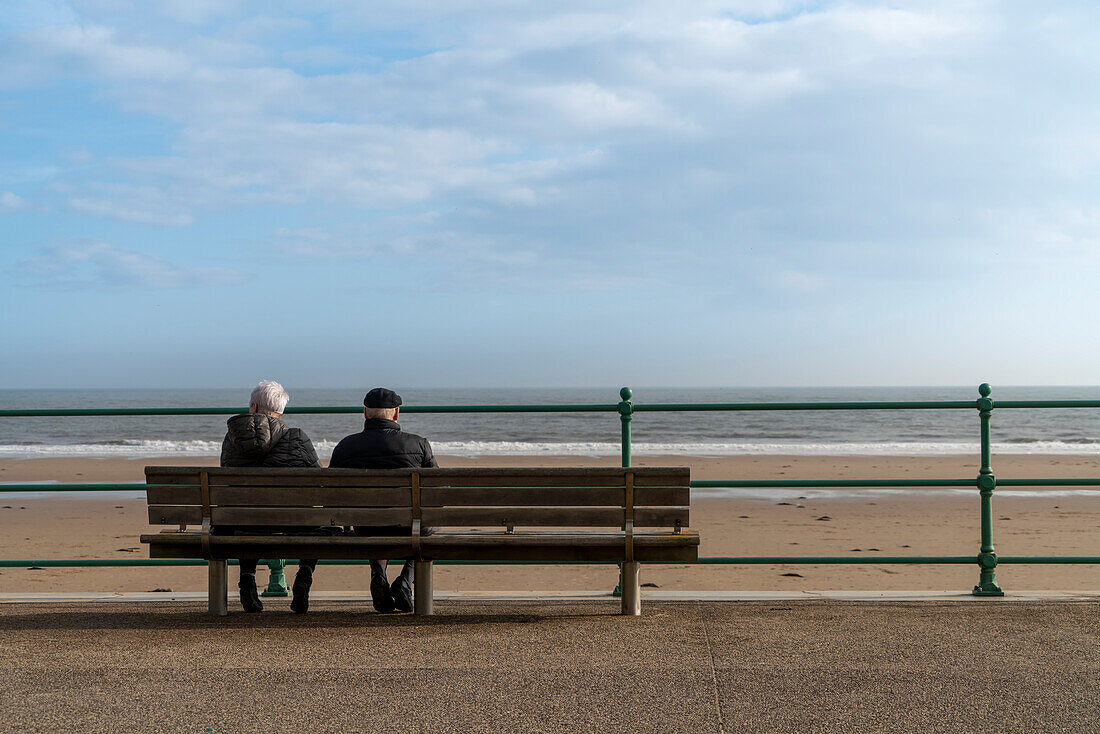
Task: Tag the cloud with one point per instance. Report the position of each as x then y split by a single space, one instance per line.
86 51
196 12
78 155
796 281
139 204
743 173
301 234
103 265
823 131
32 175
9 202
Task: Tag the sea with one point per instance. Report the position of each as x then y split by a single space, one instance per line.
877 432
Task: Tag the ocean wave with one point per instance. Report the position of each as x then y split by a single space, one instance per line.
883 448
1078 440
166 448
106 449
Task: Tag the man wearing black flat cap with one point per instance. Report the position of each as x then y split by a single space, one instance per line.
383 445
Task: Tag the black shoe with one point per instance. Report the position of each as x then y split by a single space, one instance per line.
302 581
402 596
250 600
380 593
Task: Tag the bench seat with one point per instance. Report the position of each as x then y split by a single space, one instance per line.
476 545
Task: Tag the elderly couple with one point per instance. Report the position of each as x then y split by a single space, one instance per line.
260 438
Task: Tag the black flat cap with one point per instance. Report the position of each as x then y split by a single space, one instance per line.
380 397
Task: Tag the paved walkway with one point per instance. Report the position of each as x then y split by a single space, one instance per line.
525 665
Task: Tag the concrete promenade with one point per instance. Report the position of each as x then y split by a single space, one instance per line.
823 665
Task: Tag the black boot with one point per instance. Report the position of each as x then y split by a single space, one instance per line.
401 590
302 581
380 588
250 600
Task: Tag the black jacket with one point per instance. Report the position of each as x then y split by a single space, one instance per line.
254 439
382 445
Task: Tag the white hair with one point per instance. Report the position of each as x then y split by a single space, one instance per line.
387 413
270 397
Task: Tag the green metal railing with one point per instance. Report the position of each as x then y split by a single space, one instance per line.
986 482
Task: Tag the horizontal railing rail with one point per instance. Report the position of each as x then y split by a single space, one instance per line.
304 410
105 487
985 481
556 408
886 483
702 560
594 408
737 407
695 483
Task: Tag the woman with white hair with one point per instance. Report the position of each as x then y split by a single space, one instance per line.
260 438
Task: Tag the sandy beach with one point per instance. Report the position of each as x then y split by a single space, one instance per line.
787 523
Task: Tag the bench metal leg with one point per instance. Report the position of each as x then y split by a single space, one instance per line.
632 591
217 591
422 590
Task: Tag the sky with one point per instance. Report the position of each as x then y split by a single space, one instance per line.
206 193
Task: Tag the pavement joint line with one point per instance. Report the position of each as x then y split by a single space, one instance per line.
573 596
714 678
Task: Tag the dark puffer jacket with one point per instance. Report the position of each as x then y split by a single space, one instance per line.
382 445
255 439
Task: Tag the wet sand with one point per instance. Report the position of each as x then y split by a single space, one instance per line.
866 524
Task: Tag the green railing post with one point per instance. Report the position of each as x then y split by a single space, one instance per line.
987 482
276 582
626 414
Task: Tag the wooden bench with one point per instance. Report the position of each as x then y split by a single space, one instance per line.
587 515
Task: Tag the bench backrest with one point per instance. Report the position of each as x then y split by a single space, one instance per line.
596 497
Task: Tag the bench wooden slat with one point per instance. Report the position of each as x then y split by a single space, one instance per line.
533 538
580 554
646 517
175 515
172 495
492 477
280 516
316 478
480 545
546 496
439 496
537 477
552 516
310 516
589 538
609 554
282 496
311 496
